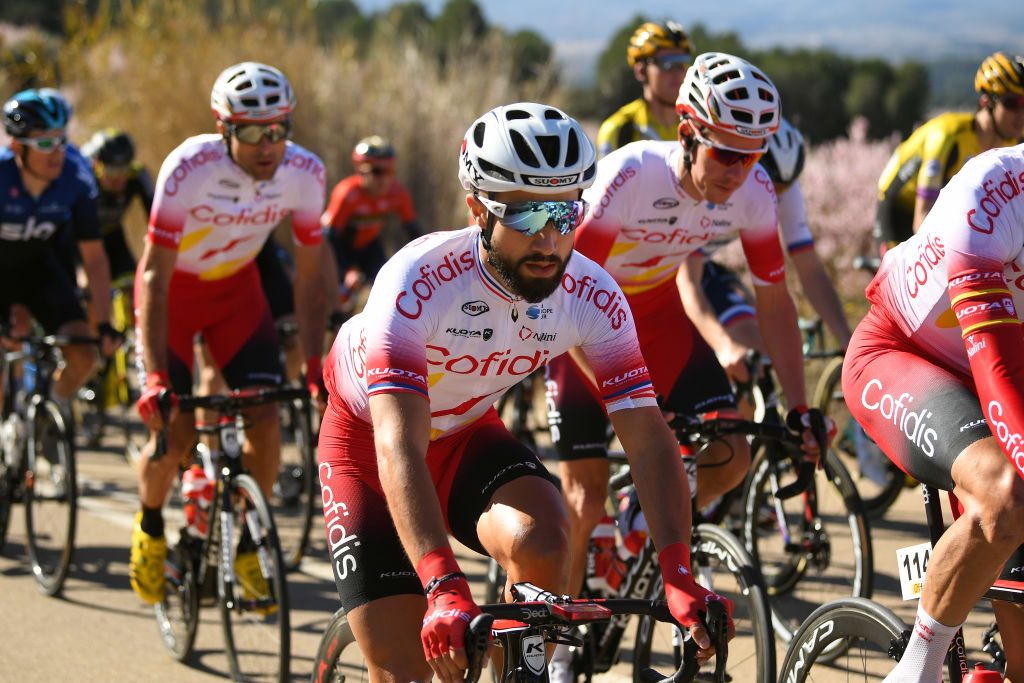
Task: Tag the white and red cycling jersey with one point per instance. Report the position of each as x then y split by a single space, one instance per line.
642 224
438 324
793 227
954 289
218 217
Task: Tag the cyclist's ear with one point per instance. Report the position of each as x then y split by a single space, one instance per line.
640 71
477 212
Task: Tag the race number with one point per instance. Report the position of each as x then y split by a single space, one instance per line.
912 564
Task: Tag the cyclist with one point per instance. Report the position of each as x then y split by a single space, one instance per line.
656 204
121 179
217 198
411 446
924 162
783 161
50 202
934 375
659 55
356 214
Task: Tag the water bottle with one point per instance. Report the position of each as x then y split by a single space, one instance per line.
197 491
633 527
28 372
982 675
605 568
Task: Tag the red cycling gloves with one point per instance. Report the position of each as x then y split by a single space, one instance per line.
148 404
450 605
685 597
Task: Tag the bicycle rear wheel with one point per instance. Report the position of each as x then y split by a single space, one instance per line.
856 448
872 638
807 560
720 563
177 615
256 620
50 497
338 657
295 489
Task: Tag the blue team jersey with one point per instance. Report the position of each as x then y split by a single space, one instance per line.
32 229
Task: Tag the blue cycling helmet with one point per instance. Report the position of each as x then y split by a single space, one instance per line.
35 109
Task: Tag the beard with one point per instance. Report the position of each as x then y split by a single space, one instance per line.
532 289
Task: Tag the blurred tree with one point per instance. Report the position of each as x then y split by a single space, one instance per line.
704 40
46 14
906 101
865 95
458 19
531 54
337 19
408 19
812 84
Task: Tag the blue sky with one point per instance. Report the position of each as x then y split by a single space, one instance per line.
893 29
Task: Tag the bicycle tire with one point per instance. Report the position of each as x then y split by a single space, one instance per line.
797 577
338 658
177 615
720 555
51 497
295 489
7 487
874 639
828 397
244 624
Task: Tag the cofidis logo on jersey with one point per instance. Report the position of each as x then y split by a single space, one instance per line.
609 302
999 192
187 165
410 301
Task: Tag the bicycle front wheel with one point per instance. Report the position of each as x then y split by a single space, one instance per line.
338 657
870 637
812 548
720 563
296 487
253 591
50 497
177 615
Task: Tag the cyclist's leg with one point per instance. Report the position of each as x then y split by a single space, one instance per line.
929 422
243 343
277 287
55 306
579 433
378 586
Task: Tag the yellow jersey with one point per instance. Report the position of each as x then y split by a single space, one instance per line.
630 123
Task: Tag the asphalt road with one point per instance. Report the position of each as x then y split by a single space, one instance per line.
99 631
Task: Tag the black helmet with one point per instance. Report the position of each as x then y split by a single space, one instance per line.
111 147
36 109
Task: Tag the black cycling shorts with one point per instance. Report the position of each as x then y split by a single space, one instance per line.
726 294
47 292
122 261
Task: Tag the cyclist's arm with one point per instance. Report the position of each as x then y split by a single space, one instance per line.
97 271
777 320
819 290
155 269
309 298
730 353
401 431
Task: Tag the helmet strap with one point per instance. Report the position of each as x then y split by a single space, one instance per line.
488 231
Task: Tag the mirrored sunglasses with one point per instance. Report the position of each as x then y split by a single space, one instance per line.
671 62
253 133
727 156
1013 102
531 217
49 143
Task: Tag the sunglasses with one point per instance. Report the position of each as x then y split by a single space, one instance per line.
672 62
45 144
376 171
253 133
530 218
1013 102
727 156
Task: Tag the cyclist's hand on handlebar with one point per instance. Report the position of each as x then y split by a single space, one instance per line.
802 419
687 600
733 359
450 608
315 382
110 339
148 405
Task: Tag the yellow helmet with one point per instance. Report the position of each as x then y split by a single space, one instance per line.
1000 75
651 37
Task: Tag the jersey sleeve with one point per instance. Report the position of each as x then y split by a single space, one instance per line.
609 341
339 209
796 233
396 333
309 200
604 221
170 203
760 235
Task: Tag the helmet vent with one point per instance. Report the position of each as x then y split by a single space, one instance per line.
550 148
743 116
273 99
478 134
737 94
553 115
572 149
765 94
766 117
496 171
250 102
523 150
516 115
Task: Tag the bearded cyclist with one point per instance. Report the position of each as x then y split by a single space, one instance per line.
659 55
218 196
924 162
935 373
411 447
49 207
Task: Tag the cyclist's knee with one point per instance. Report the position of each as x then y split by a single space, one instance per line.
992 493
540 552
79 359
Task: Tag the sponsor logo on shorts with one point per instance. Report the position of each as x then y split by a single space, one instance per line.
340 543
972 424
896 410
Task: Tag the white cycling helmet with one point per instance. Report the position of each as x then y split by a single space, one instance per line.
526 146
731 95
251 91
784 159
